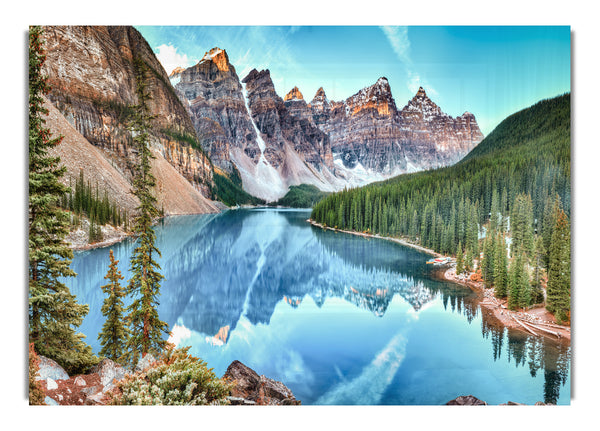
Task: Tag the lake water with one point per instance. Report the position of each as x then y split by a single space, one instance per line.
337 318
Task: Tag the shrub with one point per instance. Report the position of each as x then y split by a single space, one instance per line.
36 394
177 378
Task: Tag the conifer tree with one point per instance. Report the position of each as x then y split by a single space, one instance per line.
538 262
114 334
559 269
519 294
501 269
147 330
53 311
460 266
487 266
468 258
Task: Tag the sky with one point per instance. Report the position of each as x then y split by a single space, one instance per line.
490 71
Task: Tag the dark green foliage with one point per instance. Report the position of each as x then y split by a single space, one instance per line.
538 268
86 200
501 268
53 311
521 225
147 330
178 378
302 196
518 283
230 193
489 259
460 260
469 259
559 269
114 334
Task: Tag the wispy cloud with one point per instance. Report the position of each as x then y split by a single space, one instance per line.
415 81
375 378
170 58
400 42
398 38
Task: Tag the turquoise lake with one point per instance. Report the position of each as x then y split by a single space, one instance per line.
339 319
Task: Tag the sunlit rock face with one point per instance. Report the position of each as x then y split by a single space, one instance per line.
212 90
368 131
91 73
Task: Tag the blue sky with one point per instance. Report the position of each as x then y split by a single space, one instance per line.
489 71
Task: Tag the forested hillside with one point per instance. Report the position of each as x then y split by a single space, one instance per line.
520 173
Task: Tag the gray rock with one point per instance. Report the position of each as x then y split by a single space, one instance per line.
79 381
261 390
466 400
109 372
145 363
50 401
51 384
50 369
239 401
92 390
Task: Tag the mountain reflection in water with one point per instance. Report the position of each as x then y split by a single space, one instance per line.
339 319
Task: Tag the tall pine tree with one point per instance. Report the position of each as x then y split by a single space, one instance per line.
53 311
147 330
501 269
113 337
559 269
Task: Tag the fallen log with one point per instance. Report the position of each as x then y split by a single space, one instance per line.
552 325
544 329
523 325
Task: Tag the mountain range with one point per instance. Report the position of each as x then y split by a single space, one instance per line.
210 122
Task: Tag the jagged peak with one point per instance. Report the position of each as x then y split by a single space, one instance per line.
421 93
320 97
176 71
294 94
382 81
255 74
217 56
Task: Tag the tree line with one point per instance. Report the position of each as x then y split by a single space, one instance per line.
85 200
513 188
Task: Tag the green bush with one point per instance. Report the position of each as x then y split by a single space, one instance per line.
177 378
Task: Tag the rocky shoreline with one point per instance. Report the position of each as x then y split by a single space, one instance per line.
534 321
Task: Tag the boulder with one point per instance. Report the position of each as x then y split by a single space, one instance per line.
109 372
255 389
146 362
50 369
466 400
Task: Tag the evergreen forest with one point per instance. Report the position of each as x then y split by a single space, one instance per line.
512 193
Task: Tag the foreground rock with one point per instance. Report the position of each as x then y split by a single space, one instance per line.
250 388
466 400
49 369
95 387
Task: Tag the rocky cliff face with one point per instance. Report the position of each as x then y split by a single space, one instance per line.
173 192
424 126
245 126
214 94
370 137
91 72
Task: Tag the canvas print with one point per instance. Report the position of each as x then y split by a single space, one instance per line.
311 215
